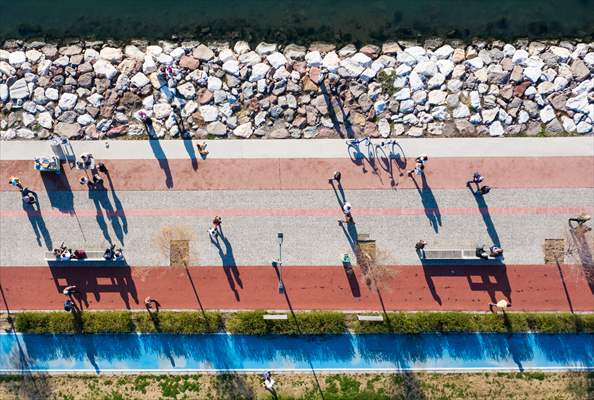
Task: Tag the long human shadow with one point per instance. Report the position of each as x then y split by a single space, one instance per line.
101 201
119 208
484 210
229 264
195 292
96 278
187 139
58 191
429 203
159 154
38 223
492 277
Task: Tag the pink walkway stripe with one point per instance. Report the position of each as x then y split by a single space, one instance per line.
297 212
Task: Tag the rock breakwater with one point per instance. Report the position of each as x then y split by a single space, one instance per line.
92 90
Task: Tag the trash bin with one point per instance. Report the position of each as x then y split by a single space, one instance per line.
56 143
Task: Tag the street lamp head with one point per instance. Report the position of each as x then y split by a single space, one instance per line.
279 237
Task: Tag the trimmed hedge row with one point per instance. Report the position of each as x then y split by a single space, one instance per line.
467 322
303 323
118 322
314 322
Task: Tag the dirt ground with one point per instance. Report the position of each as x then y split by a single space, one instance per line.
425 386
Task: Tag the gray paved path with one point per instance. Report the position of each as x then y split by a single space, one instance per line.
307 218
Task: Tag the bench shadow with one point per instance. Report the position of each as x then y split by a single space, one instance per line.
429 203
90 278
38 223
491 274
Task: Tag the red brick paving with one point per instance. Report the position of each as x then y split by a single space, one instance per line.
529 287
295 174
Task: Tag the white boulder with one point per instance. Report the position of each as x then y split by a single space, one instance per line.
67 101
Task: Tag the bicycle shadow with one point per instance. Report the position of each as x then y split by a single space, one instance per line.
392 163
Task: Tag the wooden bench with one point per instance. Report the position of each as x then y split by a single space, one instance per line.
377 318
452 254
92 255
275 316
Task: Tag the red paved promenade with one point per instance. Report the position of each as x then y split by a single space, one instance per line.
295 174
528 287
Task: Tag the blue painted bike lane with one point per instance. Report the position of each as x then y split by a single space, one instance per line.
222 352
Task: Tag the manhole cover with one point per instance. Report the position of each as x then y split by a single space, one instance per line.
554 251
179 253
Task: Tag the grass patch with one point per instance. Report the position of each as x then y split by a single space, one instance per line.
386 81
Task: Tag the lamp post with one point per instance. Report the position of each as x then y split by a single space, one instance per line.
279 263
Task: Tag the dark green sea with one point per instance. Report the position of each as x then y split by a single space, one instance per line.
299 21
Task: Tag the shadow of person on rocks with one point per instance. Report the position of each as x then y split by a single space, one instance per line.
37 222
159 153
429 203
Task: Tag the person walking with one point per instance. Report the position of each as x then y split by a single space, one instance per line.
102 168
69 305
149 302
84 180
202 149
348 215
216 223
477 178
419 165
214 234
335 177
15 181
70 290
580 219
28 196
500 305
97 179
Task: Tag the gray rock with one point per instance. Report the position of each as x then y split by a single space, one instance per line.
216 128
580 70
67 101
415 131
264 48
24 133
203 53
279 132
70 130
244 130
68 117
19 90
